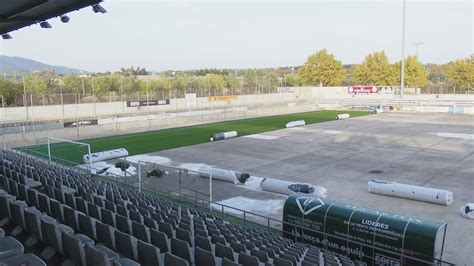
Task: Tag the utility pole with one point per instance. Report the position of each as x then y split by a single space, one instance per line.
417 44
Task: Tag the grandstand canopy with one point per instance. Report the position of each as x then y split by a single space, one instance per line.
16 14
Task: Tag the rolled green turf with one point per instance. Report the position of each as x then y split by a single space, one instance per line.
157 140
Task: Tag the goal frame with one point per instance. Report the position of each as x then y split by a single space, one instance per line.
70 141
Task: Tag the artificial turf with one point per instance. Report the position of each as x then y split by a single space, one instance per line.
151 141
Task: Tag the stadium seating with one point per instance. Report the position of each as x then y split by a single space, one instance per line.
62 216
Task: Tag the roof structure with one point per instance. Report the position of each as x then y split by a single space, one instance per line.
21 13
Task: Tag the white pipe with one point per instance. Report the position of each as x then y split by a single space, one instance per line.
287 187
467 210
298 123
342 116
223 135
104 155
432 195
224 175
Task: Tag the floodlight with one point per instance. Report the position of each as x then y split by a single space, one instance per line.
45 25
6 36
98 9
64 19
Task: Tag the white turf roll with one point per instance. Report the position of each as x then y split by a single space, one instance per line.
224 175
467 210
288 188
105 155
223 135
432 195
298 123
342 116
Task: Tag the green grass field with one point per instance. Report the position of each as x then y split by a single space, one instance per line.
151 141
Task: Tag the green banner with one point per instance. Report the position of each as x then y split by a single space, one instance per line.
373 236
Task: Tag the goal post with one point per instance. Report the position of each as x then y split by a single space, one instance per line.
73 142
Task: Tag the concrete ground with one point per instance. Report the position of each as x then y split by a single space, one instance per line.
340 155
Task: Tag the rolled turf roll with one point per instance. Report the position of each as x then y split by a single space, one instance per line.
224 175
287 188
105 155
342 116
467 210
378 111
298 123
432 195
223 135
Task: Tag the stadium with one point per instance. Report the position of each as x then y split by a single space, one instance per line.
264 173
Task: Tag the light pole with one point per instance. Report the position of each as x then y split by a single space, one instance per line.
417 44
402 78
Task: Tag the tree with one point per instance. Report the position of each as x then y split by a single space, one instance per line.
322 69
461 72
72 84
416 76
375 70
292 80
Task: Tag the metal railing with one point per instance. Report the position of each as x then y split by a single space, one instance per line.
300 233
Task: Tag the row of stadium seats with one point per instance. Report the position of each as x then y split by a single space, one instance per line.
84 221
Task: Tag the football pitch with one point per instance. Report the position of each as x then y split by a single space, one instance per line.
157 140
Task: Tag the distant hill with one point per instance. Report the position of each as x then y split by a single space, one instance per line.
11 64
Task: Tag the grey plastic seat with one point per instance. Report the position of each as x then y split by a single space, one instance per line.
70 217
135 216
203 257
126 245
32 197
159 239
227 262
149 222
200 232
22 192
140 231
51 232
203 242
123 223
248 260
56 208
17 216
5 208
69 200
173 260
23 259
108 217
148 254
166 228
291 258
105 234
181 249
93 211
184 235
237 247
261 255
278 261
33 225
269 251
74 247
97 257
81 205
86 225
10 247
218 239
43 203
223 251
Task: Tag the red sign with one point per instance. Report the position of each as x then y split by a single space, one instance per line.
363 89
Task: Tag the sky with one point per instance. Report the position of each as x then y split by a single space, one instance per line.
181 35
